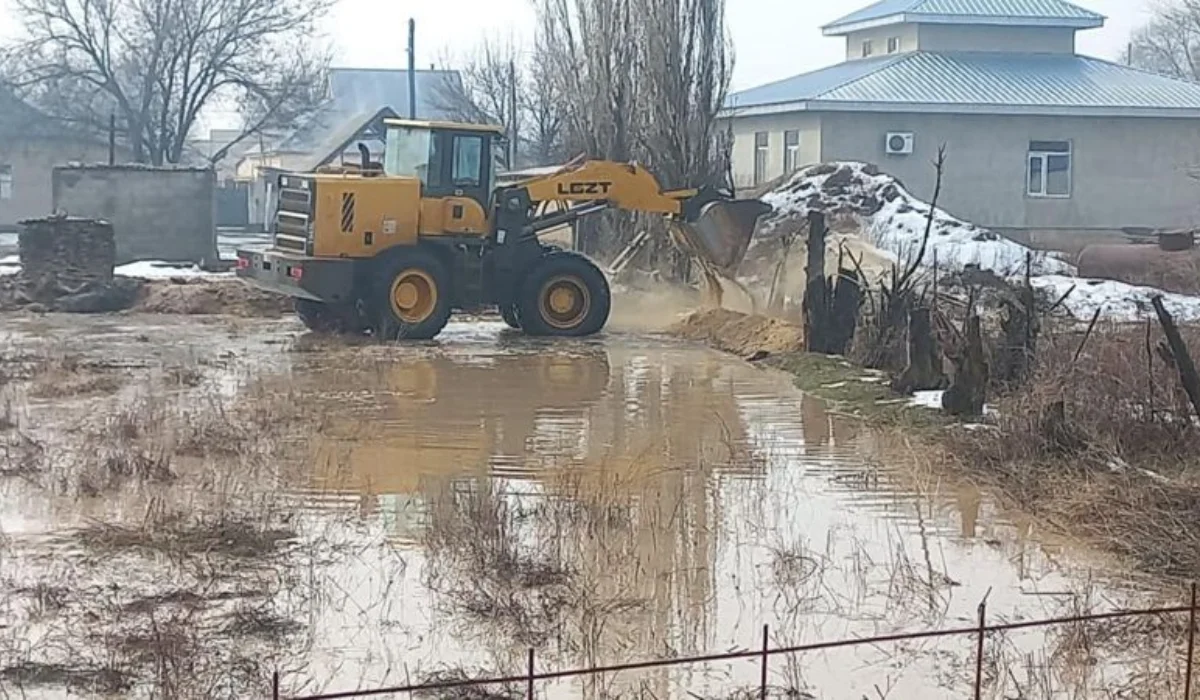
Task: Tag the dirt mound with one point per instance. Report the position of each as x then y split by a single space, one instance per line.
741 334
211 297
48 293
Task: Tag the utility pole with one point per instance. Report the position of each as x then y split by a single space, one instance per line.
412 68
514 124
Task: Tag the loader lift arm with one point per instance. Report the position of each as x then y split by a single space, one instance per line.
708 223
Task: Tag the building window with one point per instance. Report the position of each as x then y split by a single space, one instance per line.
867 48
1049 169
791 151
894 44
6 182
762 148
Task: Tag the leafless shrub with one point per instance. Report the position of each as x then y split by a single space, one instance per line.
1100 441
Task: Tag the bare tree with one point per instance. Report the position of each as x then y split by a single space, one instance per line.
686 79
1170 42
158 64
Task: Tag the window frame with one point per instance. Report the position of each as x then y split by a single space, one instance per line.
6 182
893 44
791 151
868 48
762 156
479 176
1043 151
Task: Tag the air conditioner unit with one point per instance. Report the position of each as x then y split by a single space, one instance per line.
899 144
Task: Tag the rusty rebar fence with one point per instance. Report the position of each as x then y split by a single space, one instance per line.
531 677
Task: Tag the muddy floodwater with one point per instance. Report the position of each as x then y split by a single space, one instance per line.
435 511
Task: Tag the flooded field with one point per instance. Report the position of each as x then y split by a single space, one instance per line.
187 506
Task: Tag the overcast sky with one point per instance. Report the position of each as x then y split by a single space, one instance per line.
773 39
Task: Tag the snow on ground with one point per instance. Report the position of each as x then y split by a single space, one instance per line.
1118 301
895 220
156 269
145 269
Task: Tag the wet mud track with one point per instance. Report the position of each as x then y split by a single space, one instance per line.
430 510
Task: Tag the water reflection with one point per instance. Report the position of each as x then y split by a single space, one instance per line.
605 502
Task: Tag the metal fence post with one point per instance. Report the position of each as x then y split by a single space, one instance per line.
1187 679
529 688
979 650
766 648
275 685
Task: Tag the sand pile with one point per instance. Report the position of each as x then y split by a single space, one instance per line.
888 218
229 297
741 334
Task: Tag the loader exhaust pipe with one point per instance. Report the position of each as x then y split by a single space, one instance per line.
719 229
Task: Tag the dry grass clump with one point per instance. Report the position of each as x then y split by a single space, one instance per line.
92 680
1102 445
235 535
494 691
69 376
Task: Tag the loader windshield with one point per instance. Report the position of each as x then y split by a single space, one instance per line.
407 153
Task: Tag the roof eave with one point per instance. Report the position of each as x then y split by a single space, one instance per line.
982 109
844 28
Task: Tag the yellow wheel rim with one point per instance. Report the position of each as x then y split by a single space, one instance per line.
564 302
414 296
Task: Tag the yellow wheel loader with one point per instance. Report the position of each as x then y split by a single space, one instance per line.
394 250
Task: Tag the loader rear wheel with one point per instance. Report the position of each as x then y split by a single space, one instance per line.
564 295
412 298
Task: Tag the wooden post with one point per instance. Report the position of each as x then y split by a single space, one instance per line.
816 290
529 688
766 648
1183 359
979 651
1191 646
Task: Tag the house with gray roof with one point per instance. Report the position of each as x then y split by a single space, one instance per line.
1044 144
31 145
358 101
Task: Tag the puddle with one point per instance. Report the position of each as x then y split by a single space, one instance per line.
605 501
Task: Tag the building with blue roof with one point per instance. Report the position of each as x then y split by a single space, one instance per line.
1046 144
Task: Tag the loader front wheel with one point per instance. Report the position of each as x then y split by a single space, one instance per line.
412 298
564 295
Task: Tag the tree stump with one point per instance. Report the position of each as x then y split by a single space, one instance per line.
830 310
924 370
968 390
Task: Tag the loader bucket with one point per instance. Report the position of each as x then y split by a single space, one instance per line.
720 233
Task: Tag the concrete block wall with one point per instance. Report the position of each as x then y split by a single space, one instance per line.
156 213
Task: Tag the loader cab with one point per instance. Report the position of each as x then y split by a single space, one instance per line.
450 160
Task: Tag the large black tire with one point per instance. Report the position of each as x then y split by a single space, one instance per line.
340 319
412 295
508 312
565 294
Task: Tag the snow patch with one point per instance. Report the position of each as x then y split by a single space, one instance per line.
927 399
157 269
1118 301
895 220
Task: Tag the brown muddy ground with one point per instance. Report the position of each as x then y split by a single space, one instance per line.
188 503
